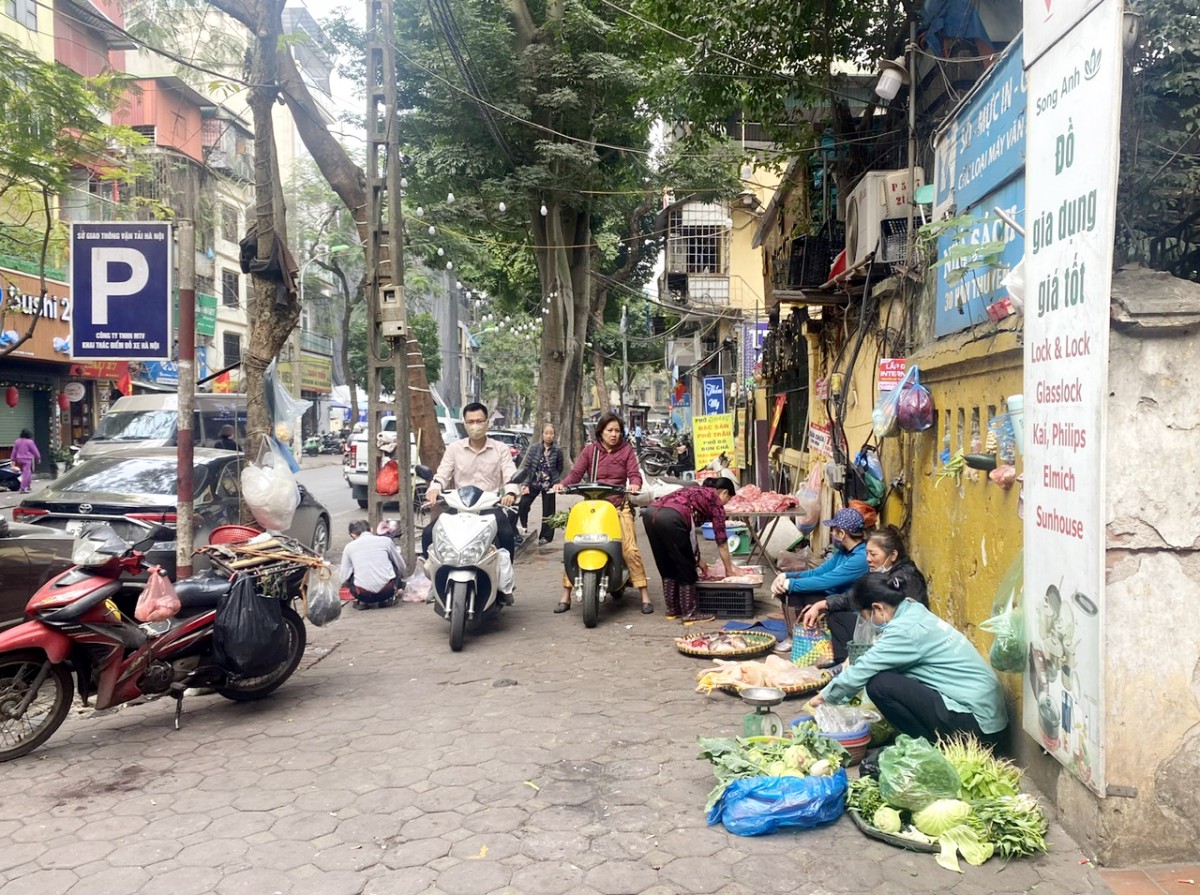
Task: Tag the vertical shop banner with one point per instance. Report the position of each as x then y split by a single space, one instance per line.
121 290
714 394
712 436
1071 179
753 336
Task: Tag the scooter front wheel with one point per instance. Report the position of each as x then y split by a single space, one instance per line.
458 614
22 731
591 598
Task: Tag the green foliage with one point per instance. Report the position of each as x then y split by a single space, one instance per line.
424 328
510 364
962 257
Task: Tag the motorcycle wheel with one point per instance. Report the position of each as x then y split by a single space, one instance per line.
252 688
458 614
22 734
591 599
654 465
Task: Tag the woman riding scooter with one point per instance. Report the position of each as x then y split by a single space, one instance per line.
610 460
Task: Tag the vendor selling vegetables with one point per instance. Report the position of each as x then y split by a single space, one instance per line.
847 563
670 525
926 678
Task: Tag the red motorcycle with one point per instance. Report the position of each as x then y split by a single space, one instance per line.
81 622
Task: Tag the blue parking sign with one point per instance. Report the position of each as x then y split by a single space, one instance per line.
121 291
714 394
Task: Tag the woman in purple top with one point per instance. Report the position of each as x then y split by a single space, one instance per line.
24 454
670 525
611 460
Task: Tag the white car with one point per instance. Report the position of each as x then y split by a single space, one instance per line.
355 465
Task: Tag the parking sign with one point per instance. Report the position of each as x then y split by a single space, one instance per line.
121 291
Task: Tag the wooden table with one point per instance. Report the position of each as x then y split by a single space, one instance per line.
761 526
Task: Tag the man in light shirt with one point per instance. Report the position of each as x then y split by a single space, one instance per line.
480 461
371 567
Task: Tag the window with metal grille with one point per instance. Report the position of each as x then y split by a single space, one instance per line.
229 222
231 349
697 246
230 289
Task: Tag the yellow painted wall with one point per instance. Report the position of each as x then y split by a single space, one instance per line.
40 42
745 262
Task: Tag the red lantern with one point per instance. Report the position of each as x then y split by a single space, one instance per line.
64 403
12 396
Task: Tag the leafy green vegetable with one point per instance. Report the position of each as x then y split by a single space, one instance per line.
1015 824
983 775
967 840
912 773
937 817
792 756
558 520
887 819
864 797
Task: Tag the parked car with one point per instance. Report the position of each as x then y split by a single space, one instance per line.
518 442
30 555
147 421
354 458
134 491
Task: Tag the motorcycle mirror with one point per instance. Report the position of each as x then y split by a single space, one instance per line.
520 477
424 472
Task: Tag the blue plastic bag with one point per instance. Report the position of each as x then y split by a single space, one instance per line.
753 806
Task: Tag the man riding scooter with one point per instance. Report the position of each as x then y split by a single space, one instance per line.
485 463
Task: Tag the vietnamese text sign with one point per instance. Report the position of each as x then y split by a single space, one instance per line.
1071 188
712 436
984 144
891 372
714 394
753 336
820 439
121 291
206 314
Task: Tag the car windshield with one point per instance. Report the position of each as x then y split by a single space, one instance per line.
136 425
128 475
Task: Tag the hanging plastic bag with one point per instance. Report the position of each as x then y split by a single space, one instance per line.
809 497
324 605
249 635
885 420
387 480
158 601
812 646
753 806
913 774
1008 652
914 406
269 489
283 408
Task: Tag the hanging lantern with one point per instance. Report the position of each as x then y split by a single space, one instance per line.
64 403
12 396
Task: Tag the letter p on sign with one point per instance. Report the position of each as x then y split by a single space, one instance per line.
106 263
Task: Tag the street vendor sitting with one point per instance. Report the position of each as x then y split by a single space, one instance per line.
923 675
847 563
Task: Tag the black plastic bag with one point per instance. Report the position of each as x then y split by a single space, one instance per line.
249 636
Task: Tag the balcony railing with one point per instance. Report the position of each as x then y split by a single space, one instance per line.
316 344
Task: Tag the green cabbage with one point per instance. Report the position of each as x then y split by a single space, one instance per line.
939 816
886 819
963 839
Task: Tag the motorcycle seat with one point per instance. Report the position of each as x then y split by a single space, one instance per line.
200 592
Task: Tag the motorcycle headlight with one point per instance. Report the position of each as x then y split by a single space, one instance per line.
591 539
466 555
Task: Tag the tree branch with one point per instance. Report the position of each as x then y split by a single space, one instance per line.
522 22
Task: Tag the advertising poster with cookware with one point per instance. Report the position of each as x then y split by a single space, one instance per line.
1074 90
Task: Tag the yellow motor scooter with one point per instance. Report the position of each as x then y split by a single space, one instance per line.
592 553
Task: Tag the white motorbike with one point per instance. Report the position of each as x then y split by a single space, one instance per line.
468 572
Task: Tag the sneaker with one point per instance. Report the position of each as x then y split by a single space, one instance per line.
784 646
542 542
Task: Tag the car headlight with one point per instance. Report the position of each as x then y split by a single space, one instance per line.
595 538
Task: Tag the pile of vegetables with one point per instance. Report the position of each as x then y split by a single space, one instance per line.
805 753
957 796
558 520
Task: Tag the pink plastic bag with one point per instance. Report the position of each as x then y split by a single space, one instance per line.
158 601
914 407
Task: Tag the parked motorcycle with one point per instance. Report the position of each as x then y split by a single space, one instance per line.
592 553
312 446
81 622
10 476
467 570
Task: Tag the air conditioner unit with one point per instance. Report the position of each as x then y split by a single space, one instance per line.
879 195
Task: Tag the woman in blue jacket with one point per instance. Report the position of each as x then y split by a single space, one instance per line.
922 673
847 563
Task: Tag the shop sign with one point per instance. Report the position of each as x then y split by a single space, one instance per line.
113 369
21 300
983 146
206 314
820 439
1071 188
121 284
714 394
316 374
821 389
891 372
712 436
74 391
753 336
1048 20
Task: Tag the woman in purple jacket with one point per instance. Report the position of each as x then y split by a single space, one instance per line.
24 454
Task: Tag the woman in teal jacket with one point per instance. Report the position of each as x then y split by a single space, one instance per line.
926 678
848 562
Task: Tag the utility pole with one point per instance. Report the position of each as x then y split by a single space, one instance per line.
387 330
184 444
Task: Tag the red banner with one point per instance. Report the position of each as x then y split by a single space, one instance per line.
780 400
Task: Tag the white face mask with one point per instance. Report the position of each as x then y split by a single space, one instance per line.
476 429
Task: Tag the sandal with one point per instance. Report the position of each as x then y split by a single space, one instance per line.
562 607
647 608
693 619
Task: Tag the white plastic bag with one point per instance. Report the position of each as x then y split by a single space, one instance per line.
417 589
324 604
285 409
270 491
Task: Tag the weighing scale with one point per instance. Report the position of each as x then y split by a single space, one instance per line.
762 722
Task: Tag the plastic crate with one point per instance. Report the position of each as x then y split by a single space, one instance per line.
725 600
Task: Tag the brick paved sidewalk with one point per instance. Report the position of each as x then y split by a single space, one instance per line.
544 758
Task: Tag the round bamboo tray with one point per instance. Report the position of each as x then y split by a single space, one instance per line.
793 690
756 645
